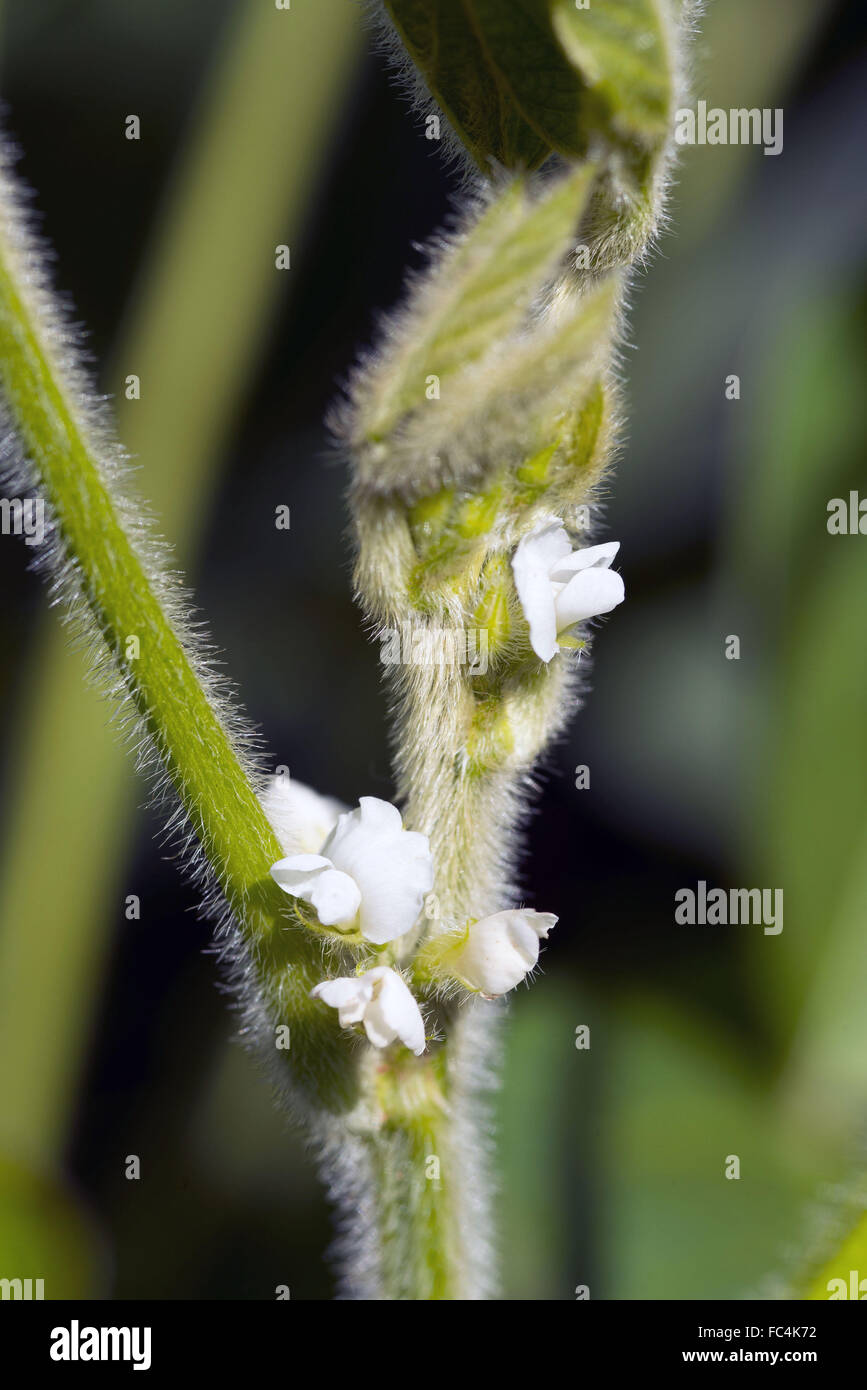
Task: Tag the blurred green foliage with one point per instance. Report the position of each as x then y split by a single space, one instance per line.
44 1234
612 1160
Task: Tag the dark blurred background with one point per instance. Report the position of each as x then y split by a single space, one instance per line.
705 1041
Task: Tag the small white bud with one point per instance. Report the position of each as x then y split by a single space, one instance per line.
500 950
382 1002
559 587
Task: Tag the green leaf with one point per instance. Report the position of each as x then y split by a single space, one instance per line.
504 72
446 48
503 410
511 407
620 49
478 294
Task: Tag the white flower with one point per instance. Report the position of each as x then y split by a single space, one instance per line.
370 874
301 818
500 950
559 586
381 1001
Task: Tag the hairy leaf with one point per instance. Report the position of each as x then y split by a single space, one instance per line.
478 293
446 48
523 79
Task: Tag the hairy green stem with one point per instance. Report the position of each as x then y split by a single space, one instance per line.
106 562
514 336
408 1155
193 337
427 1160
60 438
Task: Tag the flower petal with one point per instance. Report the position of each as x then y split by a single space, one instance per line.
392 867
588 557
302 819
589 593
393 1012
502 949
540 922
380 1000
532 562
335 896
349 996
